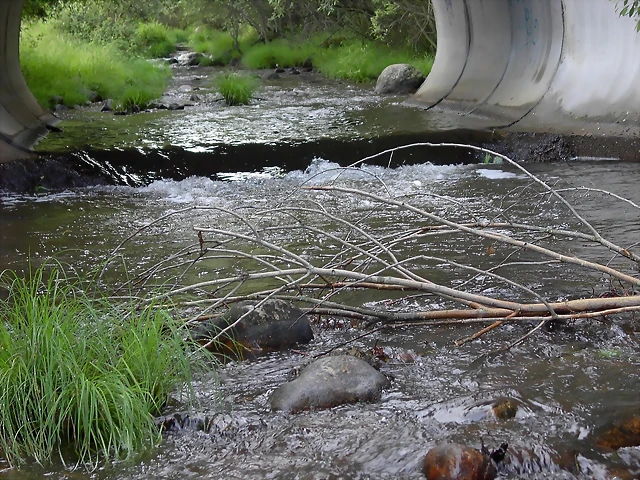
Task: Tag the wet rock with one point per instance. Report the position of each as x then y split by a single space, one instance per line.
399 78
190 58
533 147
366 356
279 70
329 382
29 176
61 108
185 88
624 434
181 421
294 71
274 325
505 408
451 461
270 76
172 61
107 106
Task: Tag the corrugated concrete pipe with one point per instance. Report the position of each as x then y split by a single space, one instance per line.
565 66
22 120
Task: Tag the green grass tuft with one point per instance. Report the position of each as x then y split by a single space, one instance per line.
279 52
154 40
81 372
220 45
132 99
55 64
364 61
235 88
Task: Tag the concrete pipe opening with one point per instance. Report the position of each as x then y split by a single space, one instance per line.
561 66
23 122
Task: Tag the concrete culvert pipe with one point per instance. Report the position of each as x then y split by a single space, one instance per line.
562 66
22 120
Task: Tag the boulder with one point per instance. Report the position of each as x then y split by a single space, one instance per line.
451 461
274 325
400 78
329 382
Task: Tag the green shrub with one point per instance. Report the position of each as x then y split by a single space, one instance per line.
220 46
178 36
235 88
154 40
55 64
279 52
364 61
81 372
131 99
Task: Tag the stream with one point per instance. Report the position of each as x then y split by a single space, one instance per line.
568 383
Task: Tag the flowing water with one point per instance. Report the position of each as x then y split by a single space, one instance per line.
568 383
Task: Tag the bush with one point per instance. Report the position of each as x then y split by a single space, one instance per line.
154 40
278 52
364 61
55 64
220 46
236 89
81 372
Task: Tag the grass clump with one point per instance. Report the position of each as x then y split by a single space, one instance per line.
154 40
56 64
80 372
235 88
364 61
279 52
220 46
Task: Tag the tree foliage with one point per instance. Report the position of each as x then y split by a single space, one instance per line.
630 8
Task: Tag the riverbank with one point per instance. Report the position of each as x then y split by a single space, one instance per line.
294 120
62 70
65 69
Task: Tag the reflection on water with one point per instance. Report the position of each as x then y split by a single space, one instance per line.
293 110
567 383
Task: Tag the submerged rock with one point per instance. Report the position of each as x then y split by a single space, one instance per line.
451 461
623 434
329 382
505 408
271 75
274 325
399 78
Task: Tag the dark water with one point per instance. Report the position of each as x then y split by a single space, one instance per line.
568 383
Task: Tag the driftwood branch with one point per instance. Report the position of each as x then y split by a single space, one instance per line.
309 249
